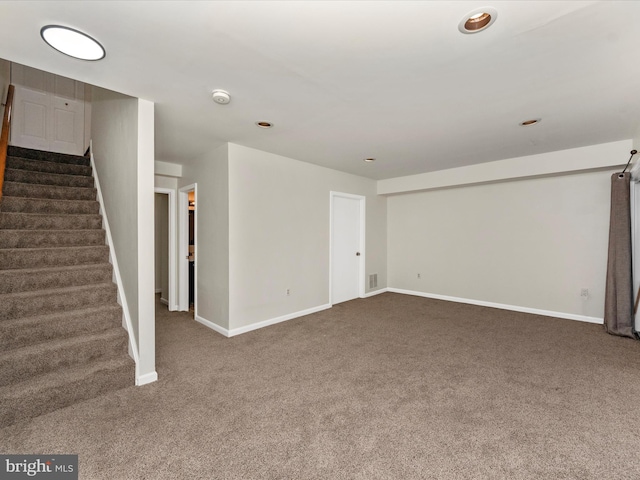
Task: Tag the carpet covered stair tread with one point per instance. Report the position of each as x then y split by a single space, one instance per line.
39 221
29 279
43 394
25 331
58 179
47 205
44 238
19 163
30 153
17 364
27 304
33 190
12 258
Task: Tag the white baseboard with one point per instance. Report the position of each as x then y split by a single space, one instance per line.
515 308
164 301
146 378
255 326
375 292
273 321
211 325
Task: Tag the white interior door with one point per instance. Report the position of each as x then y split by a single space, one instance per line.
67 133
48 111
347 247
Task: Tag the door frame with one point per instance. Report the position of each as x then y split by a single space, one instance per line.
172 245
361 248
635 242
183 246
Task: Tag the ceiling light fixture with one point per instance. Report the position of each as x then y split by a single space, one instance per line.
72 42
533 121
478 20
264 124
370 159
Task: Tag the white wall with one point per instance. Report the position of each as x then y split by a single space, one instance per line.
5 80
88 91
115 150
530 243
161 181
211 174
122 137
279 234
168 169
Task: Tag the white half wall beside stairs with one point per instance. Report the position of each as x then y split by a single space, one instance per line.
122 150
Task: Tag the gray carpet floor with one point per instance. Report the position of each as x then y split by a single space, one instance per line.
390 387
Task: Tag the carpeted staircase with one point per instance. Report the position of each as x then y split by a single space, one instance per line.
61 335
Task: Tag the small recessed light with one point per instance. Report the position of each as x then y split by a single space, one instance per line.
478 20
369 160
72 42
528 123
264 124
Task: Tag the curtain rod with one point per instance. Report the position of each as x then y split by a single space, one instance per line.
632 152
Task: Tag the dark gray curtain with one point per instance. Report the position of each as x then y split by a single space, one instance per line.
618 303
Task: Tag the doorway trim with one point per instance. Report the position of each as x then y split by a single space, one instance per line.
183 247
172 245
362 249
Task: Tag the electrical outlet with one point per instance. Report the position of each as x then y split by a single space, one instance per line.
288 291
584 292
419 276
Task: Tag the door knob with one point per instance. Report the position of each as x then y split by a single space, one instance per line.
357 254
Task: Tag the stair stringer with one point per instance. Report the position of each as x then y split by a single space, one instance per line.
117 279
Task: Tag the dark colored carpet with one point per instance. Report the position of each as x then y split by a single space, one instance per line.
61 335
390 387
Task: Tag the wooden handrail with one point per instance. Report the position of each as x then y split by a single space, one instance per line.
4 137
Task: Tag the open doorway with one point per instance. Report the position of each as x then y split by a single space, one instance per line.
188 232
165 251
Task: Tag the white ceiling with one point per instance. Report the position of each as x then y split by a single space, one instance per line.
343 81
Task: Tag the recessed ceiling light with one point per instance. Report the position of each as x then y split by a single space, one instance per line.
478 20
528 123
264 124
369 160
72 42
